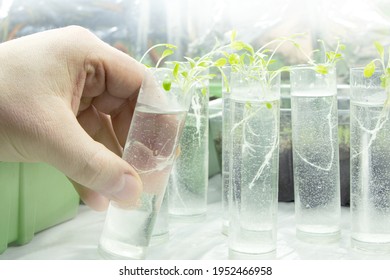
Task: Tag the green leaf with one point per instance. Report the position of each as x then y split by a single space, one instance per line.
248 105
208 76
204 91
176 70
224 53
251 59
342 47
331 55
166 53
233 35
295 44
170 46
234 59
263 62
269 105
184 74
238 45
191 61
203 64
380 49
385 79
322 69
369 69
220 62
225 80
249 48
167 83
272 61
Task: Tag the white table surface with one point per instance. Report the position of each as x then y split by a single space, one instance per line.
78 239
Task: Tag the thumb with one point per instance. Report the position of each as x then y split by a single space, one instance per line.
91 164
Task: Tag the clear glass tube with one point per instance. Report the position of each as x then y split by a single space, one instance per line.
151 148
226 128
315 154
254 155
160 232
370 158
189 178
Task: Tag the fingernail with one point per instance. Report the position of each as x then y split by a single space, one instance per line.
129 191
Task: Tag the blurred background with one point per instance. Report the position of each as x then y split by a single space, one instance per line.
194 25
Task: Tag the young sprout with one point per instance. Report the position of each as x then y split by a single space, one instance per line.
169 50
260 60
329 58
195 71
192 71
370 68
255 64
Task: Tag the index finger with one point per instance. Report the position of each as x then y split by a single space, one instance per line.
113 87
111 77
123 73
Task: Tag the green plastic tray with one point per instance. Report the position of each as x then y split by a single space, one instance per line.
33 197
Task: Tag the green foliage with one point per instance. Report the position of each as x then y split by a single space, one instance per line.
329 58
244 55
380 49
193 72
189 73
258 64
167 83
322 69
220 62
370 68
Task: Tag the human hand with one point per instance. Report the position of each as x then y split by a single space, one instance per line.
60 90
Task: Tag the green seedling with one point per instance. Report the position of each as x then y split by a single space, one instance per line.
329 58
169 50
370 69
190 72
245 59
255 64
